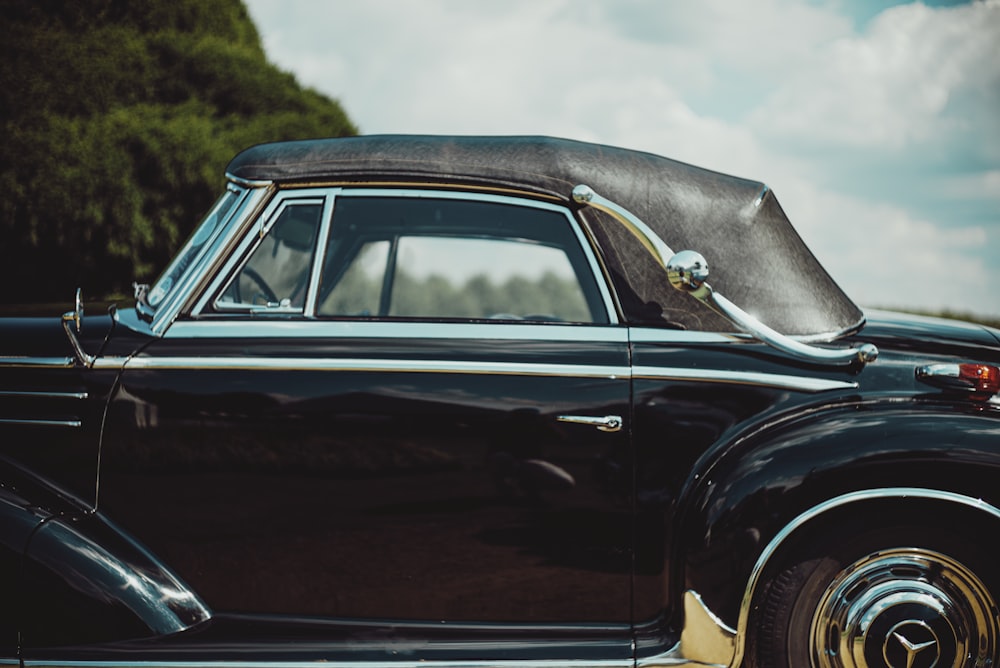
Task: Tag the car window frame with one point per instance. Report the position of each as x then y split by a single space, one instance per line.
253 230
253 243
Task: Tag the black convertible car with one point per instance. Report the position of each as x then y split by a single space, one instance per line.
470 401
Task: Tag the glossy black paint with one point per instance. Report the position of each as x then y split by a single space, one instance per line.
724 467
766 480
50 417
246 639
413 496
380 494
72 577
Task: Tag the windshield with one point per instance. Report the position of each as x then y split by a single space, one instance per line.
194 246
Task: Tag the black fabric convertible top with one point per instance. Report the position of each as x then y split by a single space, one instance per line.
757 260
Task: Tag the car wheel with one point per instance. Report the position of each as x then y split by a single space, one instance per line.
893 599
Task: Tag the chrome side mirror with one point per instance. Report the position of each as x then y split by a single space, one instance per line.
76 315
688 272
76 318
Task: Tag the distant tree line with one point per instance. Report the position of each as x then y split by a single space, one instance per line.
548 297
118 119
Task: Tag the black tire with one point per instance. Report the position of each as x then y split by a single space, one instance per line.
906 597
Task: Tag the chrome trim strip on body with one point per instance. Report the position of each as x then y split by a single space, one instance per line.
687 336
779 381
383 329
29 394
42 423
394 365
816 511
110 363
414 663
377 365
37 362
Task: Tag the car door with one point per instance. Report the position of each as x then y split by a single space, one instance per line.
391 404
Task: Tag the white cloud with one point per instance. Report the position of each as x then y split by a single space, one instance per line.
883 256
890 86
785 91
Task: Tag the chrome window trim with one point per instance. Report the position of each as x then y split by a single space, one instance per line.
595 268
182 293
38 362
242 253
384 329
831 504
332 193
773 380
322 241
242 236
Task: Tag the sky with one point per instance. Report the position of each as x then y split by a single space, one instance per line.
876 123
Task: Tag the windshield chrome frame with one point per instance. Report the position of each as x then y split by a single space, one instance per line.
250 196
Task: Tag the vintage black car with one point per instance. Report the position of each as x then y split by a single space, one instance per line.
455 401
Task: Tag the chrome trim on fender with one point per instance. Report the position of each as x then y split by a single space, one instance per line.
779 381
42 423
29 394
377 365
816 511
37 362
326 329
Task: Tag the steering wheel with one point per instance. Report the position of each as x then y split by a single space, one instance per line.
261 288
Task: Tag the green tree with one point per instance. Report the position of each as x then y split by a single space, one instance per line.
118 120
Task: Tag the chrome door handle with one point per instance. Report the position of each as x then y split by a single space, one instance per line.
610 423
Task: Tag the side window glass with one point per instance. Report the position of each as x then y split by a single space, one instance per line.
480 278
276 275
399 257
359 290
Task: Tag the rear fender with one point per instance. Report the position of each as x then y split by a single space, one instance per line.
735 509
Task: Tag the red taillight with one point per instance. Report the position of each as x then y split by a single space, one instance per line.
979 381
985 378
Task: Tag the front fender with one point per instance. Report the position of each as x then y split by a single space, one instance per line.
733 508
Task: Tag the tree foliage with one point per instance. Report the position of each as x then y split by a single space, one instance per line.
118 120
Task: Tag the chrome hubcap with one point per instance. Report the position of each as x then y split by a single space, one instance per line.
905 608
